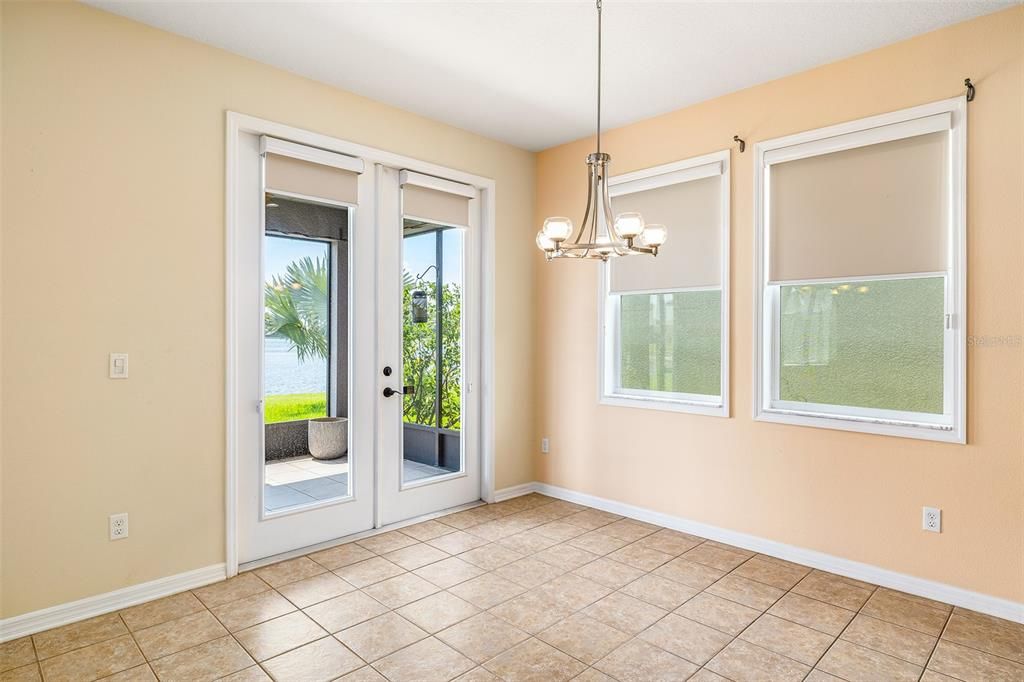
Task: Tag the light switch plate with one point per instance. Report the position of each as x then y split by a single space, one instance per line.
118 365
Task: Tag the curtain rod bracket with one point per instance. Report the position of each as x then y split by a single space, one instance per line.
743 144
970 89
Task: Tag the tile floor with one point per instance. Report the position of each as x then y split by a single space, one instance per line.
299 481
530 589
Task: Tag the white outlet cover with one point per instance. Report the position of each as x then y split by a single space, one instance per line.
931 519
118 526
545 445
118 365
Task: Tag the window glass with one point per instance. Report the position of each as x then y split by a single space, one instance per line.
874 344
671 342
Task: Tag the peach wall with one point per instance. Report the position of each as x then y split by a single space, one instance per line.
852 495
113 240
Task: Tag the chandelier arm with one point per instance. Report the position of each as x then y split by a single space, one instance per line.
586 213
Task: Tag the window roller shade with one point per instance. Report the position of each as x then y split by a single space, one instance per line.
881 209
306 178
692 254
435 199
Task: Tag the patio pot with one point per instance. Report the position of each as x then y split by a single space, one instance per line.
328 437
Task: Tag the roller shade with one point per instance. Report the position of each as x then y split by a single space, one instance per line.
880 209
435 199
692 254
308 179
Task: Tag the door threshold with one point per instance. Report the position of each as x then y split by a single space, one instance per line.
295 553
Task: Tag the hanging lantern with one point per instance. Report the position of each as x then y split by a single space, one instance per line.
420 313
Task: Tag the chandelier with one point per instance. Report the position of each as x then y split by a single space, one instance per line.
599 237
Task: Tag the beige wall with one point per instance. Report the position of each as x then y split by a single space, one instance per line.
853 495
113 240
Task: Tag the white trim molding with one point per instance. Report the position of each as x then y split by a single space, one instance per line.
930 589
71 612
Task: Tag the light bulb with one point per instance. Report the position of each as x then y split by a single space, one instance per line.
654 235
544 243
557 229
629 225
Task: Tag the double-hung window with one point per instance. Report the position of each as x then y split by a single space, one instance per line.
665 330
860 275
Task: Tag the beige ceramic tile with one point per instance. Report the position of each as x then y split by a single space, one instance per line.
559 530
319 661
489 557
780 574
629 530
364 674
744 662
486 590
449 572
721 614
625 613
345 611
566 557
457 542
78 635
592 675
277 636
572 592
380 636
747 592
685 638
239 587
670 542
466 519
527 543
638 661
584 638
532 612
988 634
784 637
253 673
482 637
313 590
970 665
492 531
591 518
640 557
93 661
653 589
609 573
735 550
812 613
598 542
832 589
161 611
895 640
438 611
534 661
386 542
208 661
238 615
342 555
528 572
854 662
16 653
822 676
932 676
289 571
716 557
415 556
427 530
140 673
368 572
886 606
23 673
179 634
428 660
921 601
400 590
689 573
706 675
478 674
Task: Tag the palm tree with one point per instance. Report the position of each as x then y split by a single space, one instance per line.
297 307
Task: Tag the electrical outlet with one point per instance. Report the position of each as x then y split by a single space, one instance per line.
545 445
931 519
118 365
118 526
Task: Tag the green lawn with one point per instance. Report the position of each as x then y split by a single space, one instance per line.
295 406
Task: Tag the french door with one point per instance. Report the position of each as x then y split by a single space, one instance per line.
354 362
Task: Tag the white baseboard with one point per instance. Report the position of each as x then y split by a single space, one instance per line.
958 596
62 614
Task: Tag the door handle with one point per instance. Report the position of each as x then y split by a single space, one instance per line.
406 390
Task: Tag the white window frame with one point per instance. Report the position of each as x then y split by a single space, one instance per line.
696 168
948 427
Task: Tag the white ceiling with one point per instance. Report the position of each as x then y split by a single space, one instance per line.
524 72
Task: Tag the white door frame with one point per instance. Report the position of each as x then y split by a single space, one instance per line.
237 124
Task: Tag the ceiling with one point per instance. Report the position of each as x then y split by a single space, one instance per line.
524 72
